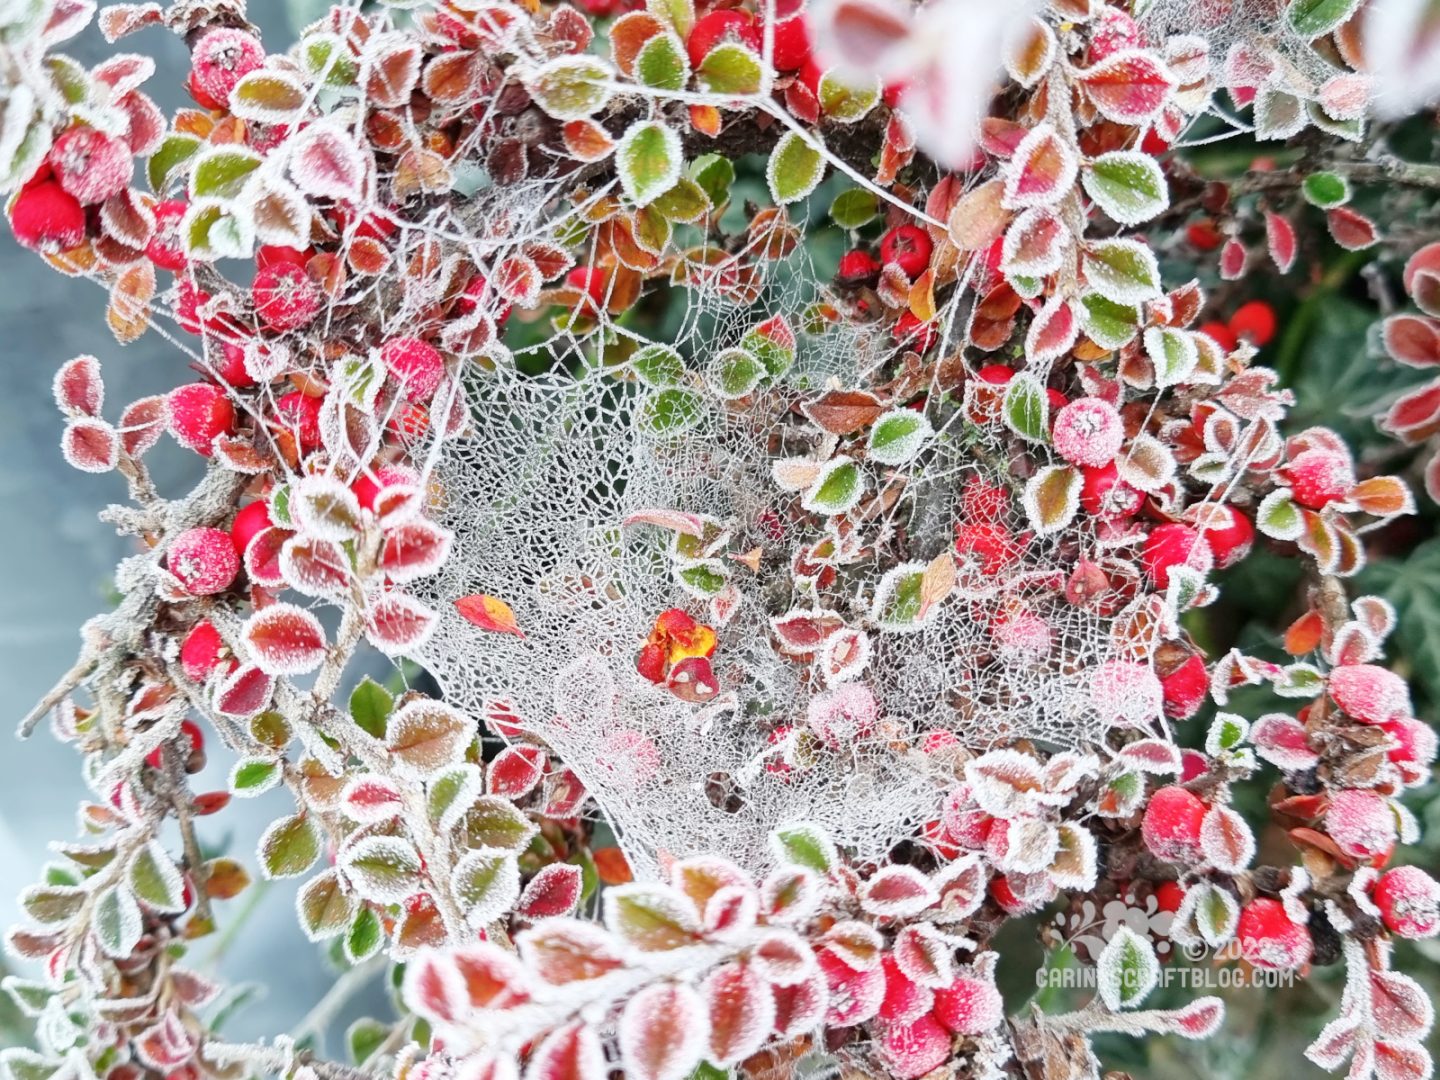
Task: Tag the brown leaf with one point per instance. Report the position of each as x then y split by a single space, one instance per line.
842 412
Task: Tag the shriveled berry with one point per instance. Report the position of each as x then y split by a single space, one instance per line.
91 165
165 249
1318 477
47 218
416 365
199 413
1268 939
300 415
908 247
249 522
1254 322
285 296
1409 902
1171 826
221 59
1172 545
204 560
969 1006
1361 823
1088 431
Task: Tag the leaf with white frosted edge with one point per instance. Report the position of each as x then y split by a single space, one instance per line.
551 893
1052 496
836 489
795 169
156 880
731 68
90 445
663 1032
326 162
571 87
1278 517
116 921
573 1052
425 736
1130 86
662 63
1172 353
398 624
898 436
1034 244
1053 330
79 387
1215 911
325 908
734 373
486 883
845 98
1147 464
1127 185
451 793
284 640
1279 114
365 936
1227 732
221 172
496 823
897 891
651 917
369 798
1107 323
1226 840
435 987
289 847
741 1011
279 212
382 868
1041 171
648 159
251 776
1199 1019
1026 408
899 606
1280 241
1127 970
805 845
1076 861
1315 18
268 96
1283 741
1122 271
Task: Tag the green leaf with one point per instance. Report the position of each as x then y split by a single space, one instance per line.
116 922
325 909
370 707
254 775
495 823
289 847
845 102
1127 185
450 794
1127 970
1172 353
365 936
211 231
686 202
327 54
364 1037
1278 517
855 208
672 411
897 436
1123 271
649 158
837 488
155 879
772 342
734 373
661 63
1326 190
704 579
1026 408
382 868
652 918
267 96
795 169
571 87
1108 324
730 68
680 14
900 600
221 171
1314 18
164 164
805 845
51 906
486 883
715 175
658 365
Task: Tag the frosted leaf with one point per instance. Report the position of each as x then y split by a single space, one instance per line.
90 445
1042 170
1052 497
562 951
782 957
663 1032
1283 741
284 639
426 735
800 1007
573 1052
435 988
399 625
1226 840
898 436
486 883
651 917
155 880
897 891
1034 244
1129 87
325 908
325 162
741 1012
1400 1007
316 568
371 799
1126 693
1127 185
414 549
116 921
382 868
1280 241
78 386
554 891
1005 783
1127 970
515 771
1173 354
325 508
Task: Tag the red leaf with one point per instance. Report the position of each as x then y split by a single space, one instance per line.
244 692
143 422
571 1053
488 613
742 1012
1280 237
516 771
1413 340
285 640
662 1032
397 623
555 890
78 386
413 550
90 445
1350 229
1129 87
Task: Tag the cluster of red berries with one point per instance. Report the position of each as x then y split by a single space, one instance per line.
1252 322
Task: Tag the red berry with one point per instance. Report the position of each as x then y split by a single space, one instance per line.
1268 939
590 281
908 247
276 254
1104 495
715 27
231 367
986 546
964 821
203 560
1088 431
164 248
1227 531
792 44
1415 745
856 266
1361 823
1369 693
416 365
47 218
300 414
1185 688
1318 477
1171 826
1222 335
199 413
981 502
1409 902
904 1000
285 297
969 1006
221 59
249 522
1204 236
202 652
91 165
1169 895
910 332
1254 322
1173 545
651 663
913 1049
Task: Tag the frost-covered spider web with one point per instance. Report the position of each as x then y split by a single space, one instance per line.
537 497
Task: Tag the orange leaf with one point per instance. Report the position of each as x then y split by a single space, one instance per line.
611 865
488 613
1304 634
